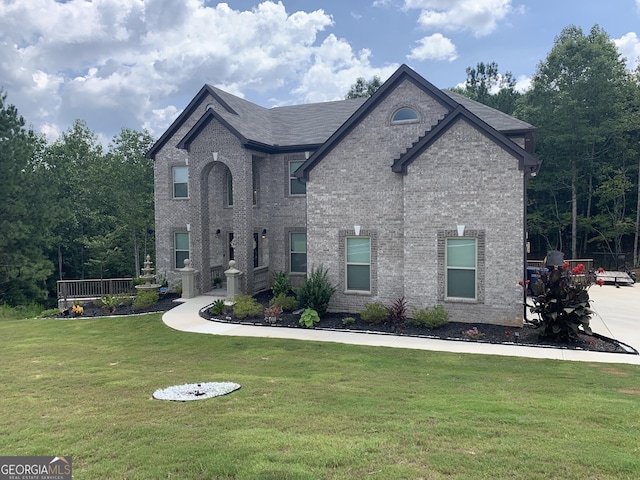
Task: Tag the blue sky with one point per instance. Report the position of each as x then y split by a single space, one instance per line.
137 63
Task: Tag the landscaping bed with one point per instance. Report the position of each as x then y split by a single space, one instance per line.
528 335
96 309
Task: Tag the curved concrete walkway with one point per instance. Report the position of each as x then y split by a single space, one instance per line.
616 317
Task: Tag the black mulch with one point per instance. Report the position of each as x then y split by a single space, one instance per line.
527 335
95 309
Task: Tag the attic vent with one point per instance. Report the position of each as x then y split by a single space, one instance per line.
404 115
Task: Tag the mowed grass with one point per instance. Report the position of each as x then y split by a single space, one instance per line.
306 410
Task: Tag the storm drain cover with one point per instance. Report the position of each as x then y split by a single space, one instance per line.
195 391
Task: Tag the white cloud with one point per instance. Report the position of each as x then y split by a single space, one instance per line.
523 83
120 62
334 69
629 47
478 16
434 47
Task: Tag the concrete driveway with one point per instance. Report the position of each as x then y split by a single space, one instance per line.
617 312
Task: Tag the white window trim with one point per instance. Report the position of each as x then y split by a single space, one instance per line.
292 252
347 263
174 183
175 248
447 268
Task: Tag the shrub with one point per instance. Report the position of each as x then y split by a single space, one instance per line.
374 313
473 333
348 321
111 302
30 310
246 306
561 299
431 317
309 318
397 313
281 284
218 307
285 302
145 298
272 313
316 291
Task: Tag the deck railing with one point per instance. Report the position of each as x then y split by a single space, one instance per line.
217 271
94 288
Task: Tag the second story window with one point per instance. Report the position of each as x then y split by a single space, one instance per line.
229 189
296 186
405 115
180 182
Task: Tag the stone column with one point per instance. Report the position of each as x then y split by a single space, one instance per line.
188 275
233 280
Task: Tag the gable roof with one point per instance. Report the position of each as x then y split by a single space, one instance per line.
526 161
297 127
493 119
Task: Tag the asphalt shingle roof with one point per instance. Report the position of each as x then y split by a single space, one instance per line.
314 123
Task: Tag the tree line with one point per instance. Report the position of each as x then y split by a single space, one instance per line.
70 209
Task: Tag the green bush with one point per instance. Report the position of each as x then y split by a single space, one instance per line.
316 291
281 284
145 298
309 318
286 302
218 307
431 317
30 310
246 306
346 321
374 312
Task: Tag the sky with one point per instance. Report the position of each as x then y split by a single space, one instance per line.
137 63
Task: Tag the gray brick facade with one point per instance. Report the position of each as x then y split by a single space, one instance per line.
406 185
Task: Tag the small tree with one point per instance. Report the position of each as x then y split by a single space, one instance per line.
316 291
561 299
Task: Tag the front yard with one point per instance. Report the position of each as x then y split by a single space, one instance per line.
306 410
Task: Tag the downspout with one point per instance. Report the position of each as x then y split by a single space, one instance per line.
528 172
524 245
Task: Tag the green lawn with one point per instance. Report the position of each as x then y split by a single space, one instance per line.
306 410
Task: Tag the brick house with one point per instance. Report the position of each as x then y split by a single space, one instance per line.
414 192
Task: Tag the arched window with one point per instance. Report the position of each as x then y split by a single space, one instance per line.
405 115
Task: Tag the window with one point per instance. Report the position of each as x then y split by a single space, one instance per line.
296 186
359 264
229 185
405 115
180 182
461 255
254 179
256 257
298 253
181 248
